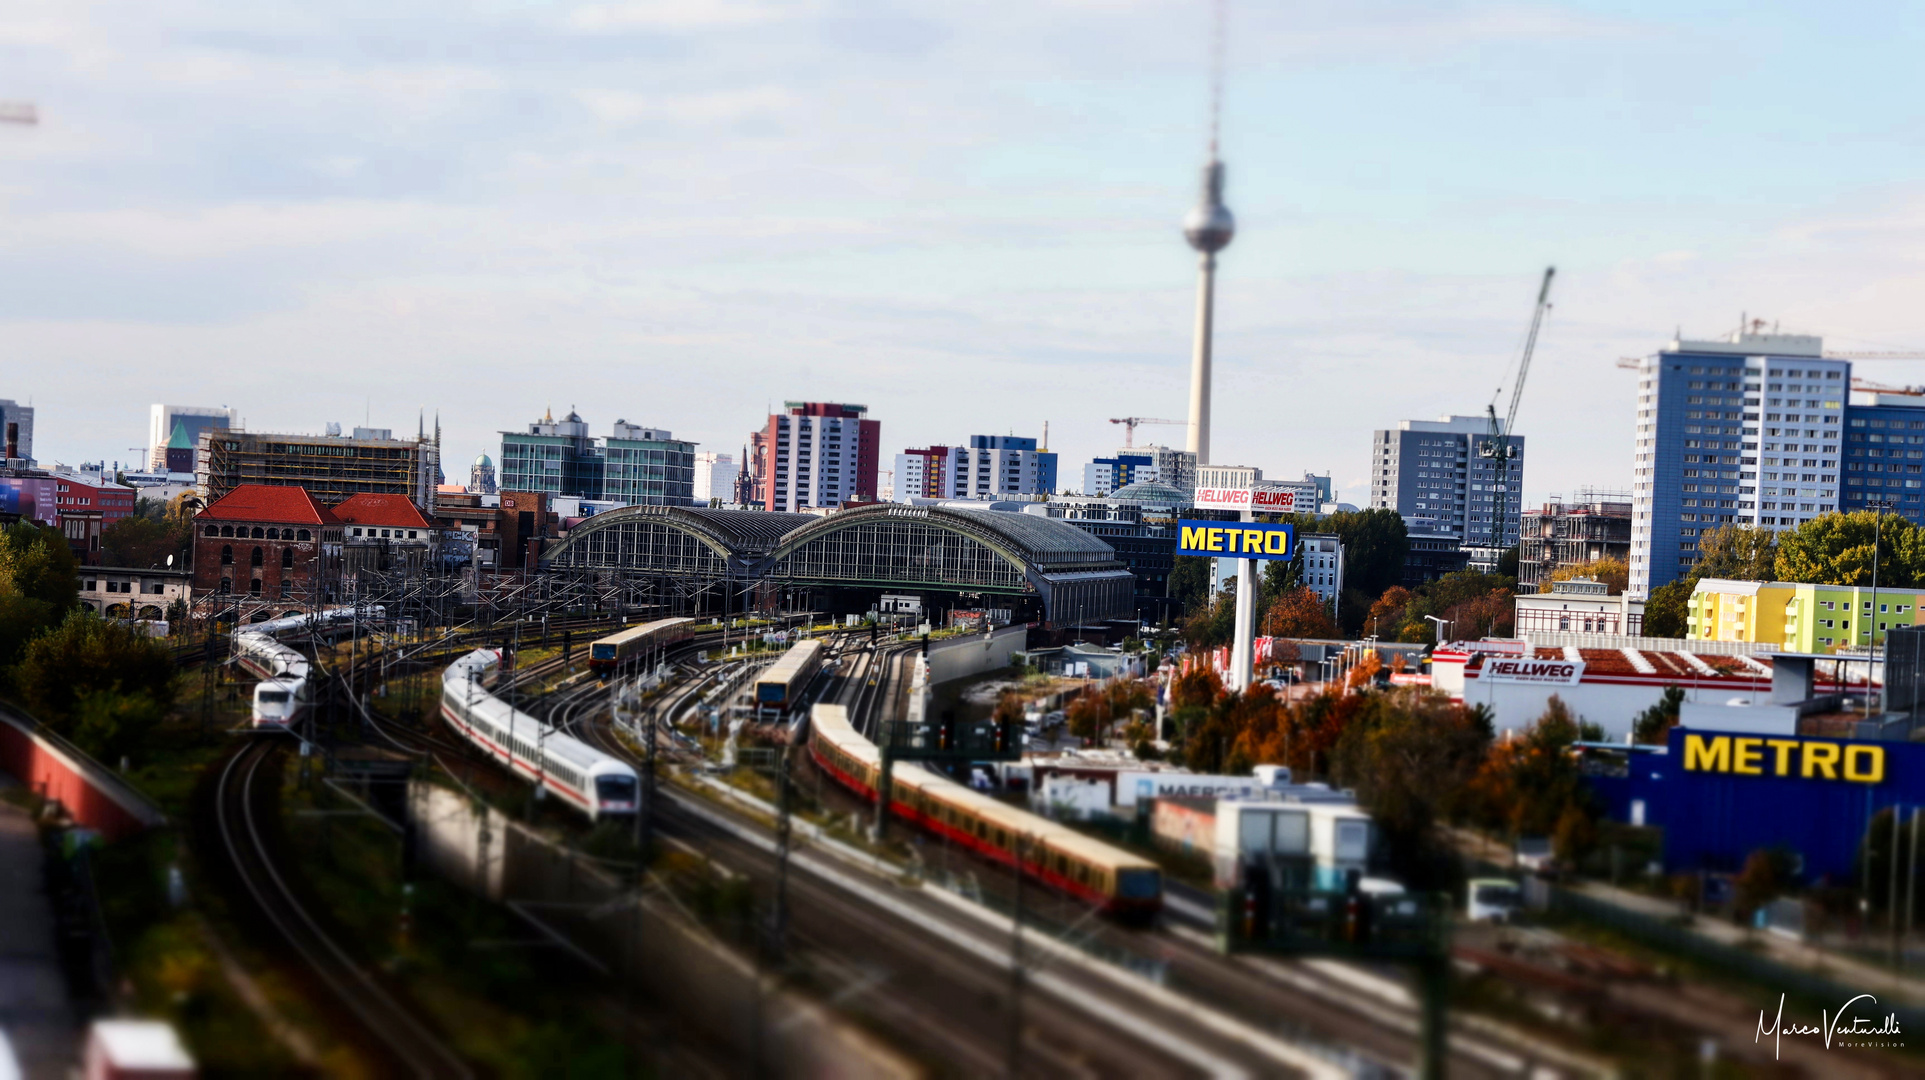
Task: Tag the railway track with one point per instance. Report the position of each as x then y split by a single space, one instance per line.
408 1044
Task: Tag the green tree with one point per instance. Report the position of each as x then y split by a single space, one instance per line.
108 724
1375 543
1190 582
85 655
1653 724
1738 553
1665 611
38 585
1837 549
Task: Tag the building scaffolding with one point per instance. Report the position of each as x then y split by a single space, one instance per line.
1595 524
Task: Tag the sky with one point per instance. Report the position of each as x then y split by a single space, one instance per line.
964 216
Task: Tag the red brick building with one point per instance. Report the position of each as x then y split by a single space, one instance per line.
85 509
272 544
385 532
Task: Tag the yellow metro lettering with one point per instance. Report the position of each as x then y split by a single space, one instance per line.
1748 753
1824 756
1193 536
1871 773
1275 542
1714 755
1252 541
1784 748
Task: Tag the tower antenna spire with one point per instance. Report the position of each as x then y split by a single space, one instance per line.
1208 229
1219 11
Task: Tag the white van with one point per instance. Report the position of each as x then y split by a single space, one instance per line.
1495 900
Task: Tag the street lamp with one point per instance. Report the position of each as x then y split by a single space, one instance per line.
1443 628
1878 509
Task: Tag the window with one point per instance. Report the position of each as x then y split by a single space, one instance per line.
304 535
287 558
227 530
254 587
213 530
227 554
255 560
258 533
227 585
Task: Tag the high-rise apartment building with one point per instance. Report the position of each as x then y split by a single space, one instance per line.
923 473
1742 430
1104 475
990 467
820 454
177 426
16 432
1176 468
714 476
1884 452
1431 472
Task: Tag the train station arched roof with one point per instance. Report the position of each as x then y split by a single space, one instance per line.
881 546
672 539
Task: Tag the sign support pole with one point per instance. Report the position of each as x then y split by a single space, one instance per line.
1241 660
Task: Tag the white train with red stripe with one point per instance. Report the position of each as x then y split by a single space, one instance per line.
281 697
1109 877
587 780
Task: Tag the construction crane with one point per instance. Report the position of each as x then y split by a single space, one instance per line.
1498 447
1129 426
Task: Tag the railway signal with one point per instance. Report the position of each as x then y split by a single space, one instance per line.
1273 913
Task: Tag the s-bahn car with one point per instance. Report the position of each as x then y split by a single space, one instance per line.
588 781
1114 880
615 650
282 694
781 687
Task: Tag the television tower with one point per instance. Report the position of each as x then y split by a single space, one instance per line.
1209 229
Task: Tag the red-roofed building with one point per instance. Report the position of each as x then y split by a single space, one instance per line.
275 545
385 532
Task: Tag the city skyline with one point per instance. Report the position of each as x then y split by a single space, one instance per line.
1029 239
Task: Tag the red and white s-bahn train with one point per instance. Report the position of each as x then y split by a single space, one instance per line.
281 697
1114 880
588 781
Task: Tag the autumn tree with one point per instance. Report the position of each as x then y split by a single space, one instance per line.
1299 613
1411 755
1613 572
1387 614
1528 784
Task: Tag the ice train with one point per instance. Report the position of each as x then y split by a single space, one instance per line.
585 779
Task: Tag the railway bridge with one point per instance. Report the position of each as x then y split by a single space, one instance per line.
698 559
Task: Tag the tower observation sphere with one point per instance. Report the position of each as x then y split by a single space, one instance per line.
1210 227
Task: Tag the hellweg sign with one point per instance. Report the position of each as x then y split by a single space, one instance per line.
1520 670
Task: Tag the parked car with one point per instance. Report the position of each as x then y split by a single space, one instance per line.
1534 855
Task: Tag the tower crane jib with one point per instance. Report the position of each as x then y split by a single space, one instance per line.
1498 445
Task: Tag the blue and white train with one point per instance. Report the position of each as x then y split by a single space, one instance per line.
281 697
587 780
319 621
